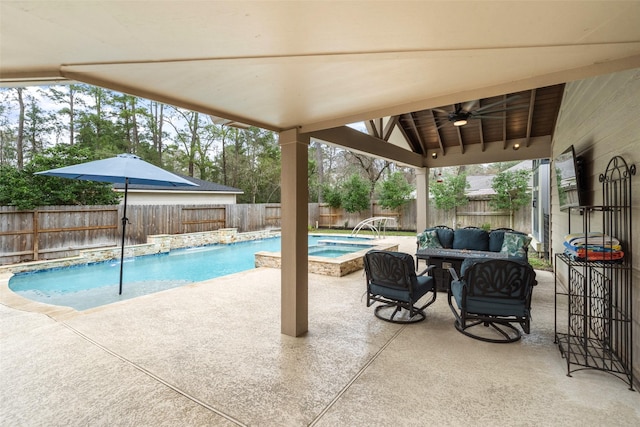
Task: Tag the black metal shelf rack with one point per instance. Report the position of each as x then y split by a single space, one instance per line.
599 327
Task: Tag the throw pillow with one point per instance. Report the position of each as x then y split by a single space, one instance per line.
474 239
515 244
429 240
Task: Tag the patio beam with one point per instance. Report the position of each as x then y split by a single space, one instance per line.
354 140
294 282
539 148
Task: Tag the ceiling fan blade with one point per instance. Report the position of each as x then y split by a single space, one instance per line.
468 106
515 107
493 104
487 117
440 110
442 124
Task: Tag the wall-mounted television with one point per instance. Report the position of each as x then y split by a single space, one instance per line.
568 179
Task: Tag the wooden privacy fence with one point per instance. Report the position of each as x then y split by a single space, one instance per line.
55 231
477 213
61 231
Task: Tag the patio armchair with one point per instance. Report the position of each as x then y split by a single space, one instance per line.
392 281
493 293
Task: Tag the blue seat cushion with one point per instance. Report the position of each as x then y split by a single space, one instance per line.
496 237
488 305
424 284
445 236
474 239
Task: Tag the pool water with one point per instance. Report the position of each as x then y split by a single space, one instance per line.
88 286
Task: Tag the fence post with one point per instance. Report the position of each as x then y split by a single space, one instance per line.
35 235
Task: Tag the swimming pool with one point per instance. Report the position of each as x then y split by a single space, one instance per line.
87 286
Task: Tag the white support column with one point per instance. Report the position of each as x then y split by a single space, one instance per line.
294 202
422 200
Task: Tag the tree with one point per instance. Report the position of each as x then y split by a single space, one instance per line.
333 198
37 127
127 115
96 127
450 193
154 121
67 97
315 173
395 191
187 126
20 139
355 194
8 154
23 189
511 189
261 166
373 169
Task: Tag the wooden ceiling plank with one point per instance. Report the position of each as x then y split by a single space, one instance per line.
406 136
532 103
409 130
420 148
516 125
504 125
435 125
460 139
481 135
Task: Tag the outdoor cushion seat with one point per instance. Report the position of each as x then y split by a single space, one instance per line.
501 240
392 281
423 285
496 306
493 293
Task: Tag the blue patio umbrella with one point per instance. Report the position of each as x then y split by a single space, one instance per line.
125 169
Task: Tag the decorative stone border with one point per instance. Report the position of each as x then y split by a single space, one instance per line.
336 267
157 244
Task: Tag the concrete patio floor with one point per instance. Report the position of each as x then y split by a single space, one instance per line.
211 354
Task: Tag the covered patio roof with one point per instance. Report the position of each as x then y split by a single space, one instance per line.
320 65
307 69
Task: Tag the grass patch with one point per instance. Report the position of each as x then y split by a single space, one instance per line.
539 263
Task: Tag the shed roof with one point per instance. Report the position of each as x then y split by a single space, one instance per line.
202 186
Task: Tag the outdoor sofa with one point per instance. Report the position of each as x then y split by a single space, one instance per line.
446 248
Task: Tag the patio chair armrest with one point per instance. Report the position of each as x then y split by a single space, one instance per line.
453 273
426 270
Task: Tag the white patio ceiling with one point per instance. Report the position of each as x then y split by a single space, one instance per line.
315 64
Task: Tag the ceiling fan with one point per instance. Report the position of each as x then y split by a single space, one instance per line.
465 112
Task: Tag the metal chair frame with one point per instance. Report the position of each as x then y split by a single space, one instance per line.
502 324
405 283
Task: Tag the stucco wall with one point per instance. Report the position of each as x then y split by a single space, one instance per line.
179 198
601 118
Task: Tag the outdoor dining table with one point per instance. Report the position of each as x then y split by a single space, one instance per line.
443 259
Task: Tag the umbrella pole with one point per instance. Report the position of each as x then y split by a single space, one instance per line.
124 226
